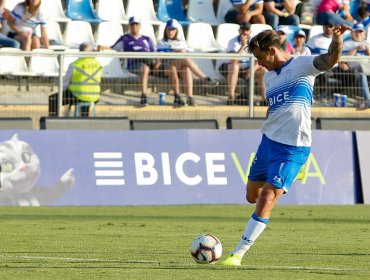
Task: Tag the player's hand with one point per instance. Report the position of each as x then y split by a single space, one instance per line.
340 29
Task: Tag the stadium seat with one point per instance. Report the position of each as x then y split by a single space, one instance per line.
223 7
10 4
82 10
13 64
259 27
42 65
173 124
200 37
244 123
53 10
225 32
54 35
98 123
202 11
168 9
351 124
162 27
112 10
112 67
15 123
78 32
108 33
315 29
207 66
143 9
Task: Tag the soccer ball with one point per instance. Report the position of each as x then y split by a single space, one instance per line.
206 248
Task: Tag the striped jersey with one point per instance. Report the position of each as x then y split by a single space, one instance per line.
289 92
25 19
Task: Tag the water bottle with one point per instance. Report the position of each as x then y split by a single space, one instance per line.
336 99
344 100
162 96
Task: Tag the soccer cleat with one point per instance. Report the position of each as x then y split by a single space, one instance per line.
232 260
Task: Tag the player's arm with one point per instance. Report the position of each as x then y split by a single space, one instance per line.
326 61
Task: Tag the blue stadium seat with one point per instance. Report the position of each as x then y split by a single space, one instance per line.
82 10
168 9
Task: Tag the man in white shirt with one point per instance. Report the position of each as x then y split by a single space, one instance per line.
239 44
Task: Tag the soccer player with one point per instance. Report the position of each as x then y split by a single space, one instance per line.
286 139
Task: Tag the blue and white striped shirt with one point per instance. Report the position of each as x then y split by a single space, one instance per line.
289 92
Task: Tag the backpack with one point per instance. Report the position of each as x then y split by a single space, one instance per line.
305 11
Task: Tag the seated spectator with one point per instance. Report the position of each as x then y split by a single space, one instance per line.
239 45
185 67
319 43
245 11
81 83
357 45
287 46
363 16
5 41
23 20
280 12
300 46
335 12
133 41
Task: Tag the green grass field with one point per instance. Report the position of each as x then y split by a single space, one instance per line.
301 242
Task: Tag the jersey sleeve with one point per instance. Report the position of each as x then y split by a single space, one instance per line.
307 65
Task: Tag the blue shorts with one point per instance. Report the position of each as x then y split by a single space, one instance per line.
277 164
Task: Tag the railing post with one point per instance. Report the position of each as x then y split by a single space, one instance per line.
60 84
251 87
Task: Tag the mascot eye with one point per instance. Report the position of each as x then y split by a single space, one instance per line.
7 167
26 157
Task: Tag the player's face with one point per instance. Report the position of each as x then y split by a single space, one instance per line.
265 59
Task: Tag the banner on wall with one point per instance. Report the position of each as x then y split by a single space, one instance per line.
363 140
159 167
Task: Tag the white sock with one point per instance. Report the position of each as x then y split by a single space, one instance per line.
253 230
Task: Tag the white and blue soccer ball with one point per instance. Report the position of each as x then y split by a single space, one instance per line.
206 248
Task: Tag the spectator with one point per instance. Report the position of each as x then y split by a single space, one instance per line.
5 41
245 11
319 43
239 45
286 46
357 45
280 12
81 83
300 47
185 67
23 20
133 41
363 15
335 12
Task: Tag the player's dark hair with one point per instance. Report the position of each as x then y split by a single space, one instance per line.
264 41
